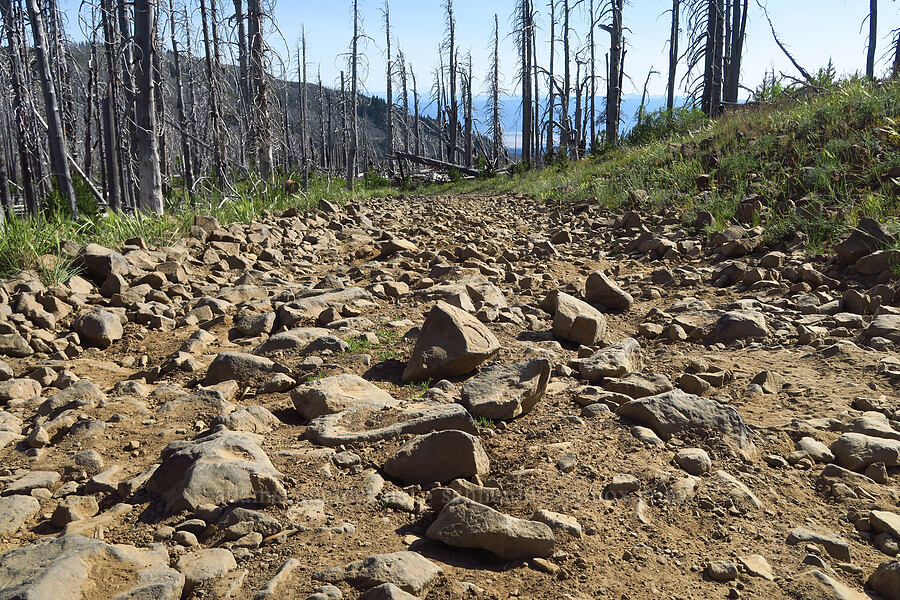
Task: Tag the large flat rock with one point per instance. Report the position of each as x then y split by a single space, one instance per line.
465 523
72 567
507 391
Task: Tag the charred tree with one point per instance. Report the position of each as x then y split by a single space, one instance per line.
873 39
673 55
261 128
56 141
614 72
150 197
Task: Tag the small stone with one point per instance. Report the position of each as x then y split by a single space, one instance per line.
722 570
695 461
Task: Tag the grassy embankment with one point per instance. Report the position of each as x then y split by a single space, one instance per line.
816 163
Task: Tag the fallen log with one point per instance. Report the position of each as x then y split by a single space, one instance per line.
434 163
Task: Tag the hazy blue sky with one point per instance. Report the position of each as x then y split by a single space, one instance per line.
815 30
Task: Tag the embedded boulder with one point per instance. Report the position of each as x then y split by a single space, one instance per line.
451 343
507 391
464 523
99 328
409 571
237 366
616 360
338 393
676 411
600 290
577 321
73 567
439 456
220 467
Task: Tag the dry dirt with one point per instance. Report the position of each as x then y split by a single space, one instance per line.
647 544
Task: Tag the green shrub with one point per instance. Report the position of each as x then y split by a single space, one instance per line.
661 124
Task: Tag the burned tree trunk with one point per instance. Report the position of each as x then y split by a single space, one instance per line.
390 82
186 159
56 136
736 47
614 74
215 112
524 39
873 39
407 134
673 55
262 135
418 140
470 158
453 106
354 122
150 196
304 112
21 102
496 126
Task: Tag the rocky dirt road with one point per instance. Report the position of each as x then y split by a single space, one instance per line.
460 397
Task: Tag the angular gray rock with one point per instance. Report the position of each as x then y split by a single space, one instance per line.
676 411
616 360
834 545
738 325
577 321
14 511
19 389
68 567
220 467
99 262
203 565
252 419
387 591
464 523
878 261
506 391
409 571
638 385
451 343
98 328
337 393
440 456
600 290
32 481
868 236
886 580
14 345
885 522
238 366
856 451
294 340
